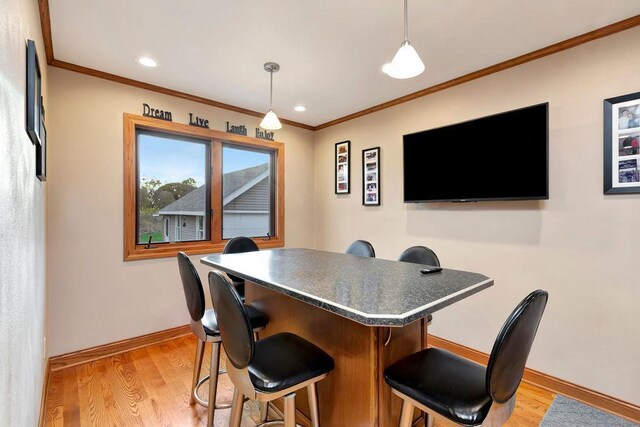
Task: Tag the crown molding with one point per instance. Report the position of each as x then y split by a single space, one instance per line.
166 91
45 22
510 63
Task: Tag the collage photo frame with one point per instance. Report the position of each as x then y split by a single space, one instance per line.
371 176
343 167
622 144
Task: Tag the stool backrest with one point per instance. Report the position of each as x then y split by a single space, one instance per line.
192 286
420 255
512 347
233 322
361 248
238 245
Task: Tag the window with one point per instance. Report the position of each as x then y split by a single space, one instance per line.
191 189
247 192
173 184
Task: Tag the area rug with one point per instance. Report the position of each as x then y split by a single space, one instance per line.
565 412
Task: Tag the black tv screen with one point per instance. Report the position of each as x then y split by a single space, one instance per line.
499 157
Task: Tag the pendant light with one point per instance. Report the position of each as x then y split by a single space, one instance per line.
406 63
270 121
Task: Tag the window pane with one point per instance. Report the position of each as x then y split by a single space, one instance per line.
173 188
247 192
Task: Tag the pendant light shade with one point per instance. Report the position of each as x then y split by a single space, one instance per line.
270 121
406 63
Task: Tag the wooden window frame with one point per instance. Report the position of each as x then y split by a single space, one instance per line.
135 251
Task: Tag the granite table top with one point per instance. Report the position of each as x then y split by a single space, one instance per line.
371 291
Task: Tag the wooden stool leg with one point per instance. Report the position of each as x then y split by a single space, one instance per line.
235 417
197 367
313 405
428 420
406 416
290 410
264 411
213 382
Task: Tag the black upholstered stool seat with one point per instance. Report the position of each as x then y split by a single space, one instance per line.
284 360
210 324
450 385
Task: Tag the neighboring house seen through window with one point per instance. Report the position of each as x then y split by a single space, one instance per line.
247 192
191 189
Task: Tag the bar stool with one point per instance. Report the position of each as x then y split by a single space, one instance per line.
420 255
205 327
458 391
274 367
238 245
361 248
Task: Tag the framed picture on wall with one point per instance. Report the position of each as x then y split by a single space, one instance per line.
371 176
622 144
41 155
343 170
34 93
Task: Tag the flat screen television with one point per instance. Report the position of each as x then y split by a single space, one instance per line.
498 157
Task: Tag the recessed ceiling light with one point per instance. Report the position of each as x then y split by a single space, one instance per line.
147 62
300 108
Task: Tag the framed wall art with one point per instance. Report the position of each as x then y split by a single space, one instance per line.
622 144
371 176
343 167
34 94
41 155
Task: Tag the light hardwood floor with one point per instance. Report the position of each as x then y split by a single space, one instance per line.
150 387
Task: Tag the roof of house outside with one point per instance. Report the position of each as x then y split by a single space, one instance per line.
233 181
193 203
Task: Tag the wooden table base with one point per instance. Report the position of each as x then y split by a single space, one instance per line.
355 393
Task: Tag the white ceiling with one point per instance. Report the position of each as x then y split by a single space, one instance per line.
330 51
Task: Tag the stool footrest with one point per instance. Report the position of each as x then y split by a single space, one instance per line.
274 423
205 402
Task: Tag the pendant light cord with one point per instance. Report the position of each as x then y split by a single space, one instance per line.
271 89
406 22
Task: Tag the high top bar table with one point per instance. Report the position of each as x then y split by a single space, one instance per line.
366 313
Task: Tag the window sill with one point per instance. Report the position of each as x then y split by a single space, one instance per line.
170 250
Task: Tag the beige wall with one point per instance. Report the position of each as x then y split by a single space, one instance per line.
581 246
22 225
95 297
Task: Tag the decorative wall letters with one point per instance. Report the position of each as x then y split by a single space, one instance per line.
263 134
197 121
237 129
147 111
